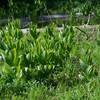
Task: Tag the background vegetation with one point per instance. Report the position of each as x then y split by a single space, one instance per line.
50 64
39 7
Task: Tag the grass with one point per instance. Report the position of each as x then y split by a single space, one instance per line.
49 64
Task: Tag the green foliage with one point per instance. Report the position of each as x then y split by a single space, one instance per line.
35 8
49 58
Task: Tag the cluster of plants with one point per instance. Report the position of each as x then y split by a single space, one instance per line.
48 64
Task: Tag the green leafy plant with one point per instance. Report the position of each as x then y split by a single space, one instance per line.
49 58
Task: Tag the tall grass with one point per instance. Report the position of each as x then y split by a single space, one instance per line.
48 64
